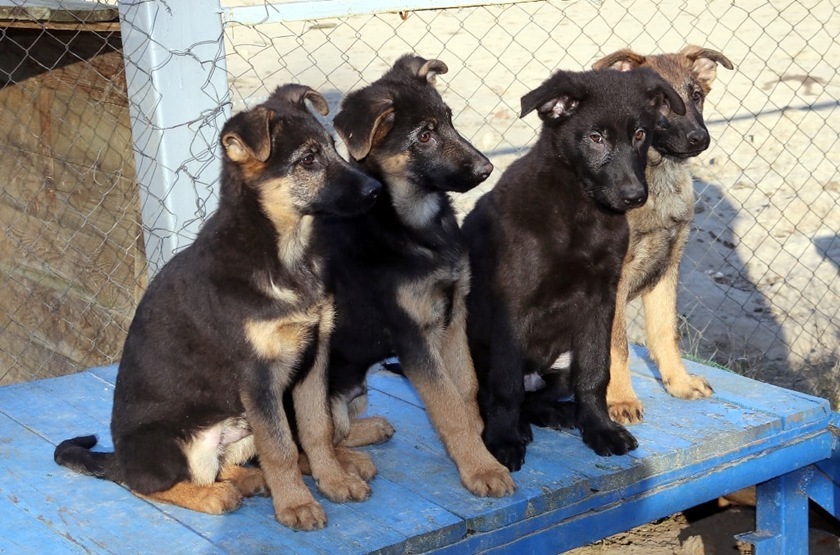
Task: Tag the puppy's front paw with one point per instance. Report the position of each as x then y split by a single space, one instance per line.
688 386
626 412
305 516
343 486
493 480
609 440
510 452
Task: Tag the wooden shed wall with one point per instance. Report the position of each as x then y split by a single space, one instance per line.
72 265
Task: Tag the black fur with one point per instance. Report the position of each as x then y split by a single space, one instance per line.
373 255
546 249
400 272
186 363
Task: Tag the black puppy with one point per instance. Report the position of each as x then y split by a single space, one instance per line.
233 324
546 248
401 272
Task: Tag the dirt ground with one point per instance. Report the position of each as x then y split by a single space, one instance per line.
706 530
757 291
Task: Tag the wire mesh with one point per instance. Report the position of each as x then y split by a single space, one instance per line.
757 291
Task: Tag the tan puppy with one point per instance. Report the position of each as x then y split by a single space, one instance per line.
659 229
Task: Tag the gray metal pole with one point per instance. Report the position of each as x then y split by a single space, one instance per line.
179 99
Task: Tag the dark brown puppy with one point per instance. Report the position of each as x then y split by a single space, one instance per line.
401 272
659 229
546 247
234 323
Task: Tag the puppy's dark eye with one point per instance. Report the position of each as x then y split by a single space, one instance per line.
697 96
596 138
308 160
425 136
640 135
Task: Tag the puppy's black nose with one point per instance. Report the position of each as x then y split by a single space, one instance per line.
483 171
371 189
698 137
634 200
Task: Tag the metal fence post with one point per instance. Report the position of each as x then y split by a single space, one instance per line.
178 94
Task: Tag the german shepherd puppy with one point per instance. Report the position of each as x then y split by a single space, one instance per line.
400 270
546 247
659 229
234 323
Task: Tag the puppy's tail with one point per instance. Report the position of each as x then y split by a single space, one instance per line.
76 455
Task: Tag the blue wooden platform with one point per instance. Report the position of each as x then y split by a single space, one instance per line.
689 452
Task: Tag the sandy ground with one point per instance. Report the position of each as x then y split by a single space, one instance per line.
757 279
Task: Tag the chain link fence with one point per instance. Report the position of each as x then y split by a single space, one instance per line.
758 289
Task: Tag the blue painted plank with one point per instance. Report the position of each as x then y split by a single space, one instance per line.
83 391
425 524
673 435
106 373
23 533
418 502
51 417
595 518
395 386
794 408
431 465
75 507
74 393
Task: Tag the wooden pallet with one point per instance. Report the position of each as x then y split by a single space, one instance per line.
689 452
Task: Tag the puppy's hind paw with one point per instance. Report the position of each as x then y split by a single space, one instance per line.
250 481
356 462
369 431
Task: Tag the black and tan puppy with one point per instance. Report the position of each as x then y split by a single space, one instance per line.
659 229
546 247
401 272
234 323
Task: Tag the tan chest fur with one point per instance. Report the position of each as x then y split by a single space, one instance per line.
428 300
659 228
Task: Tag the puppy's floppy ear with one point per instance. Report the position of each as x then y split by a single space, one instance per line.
420 67
247 135
555 98
621 60
296 94
362 123
661 95
705 63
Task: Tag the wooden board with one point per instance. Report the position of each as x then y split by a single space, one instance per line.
61 11
690 452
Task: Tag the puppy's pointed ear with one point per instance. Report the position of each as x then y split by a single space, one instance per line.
705 63
363 124
556 98
421 67
661 96
296 94
247 135
431 69
621 60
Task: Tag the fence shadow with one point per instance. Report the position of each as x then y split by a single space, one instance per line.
727 317
829 248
